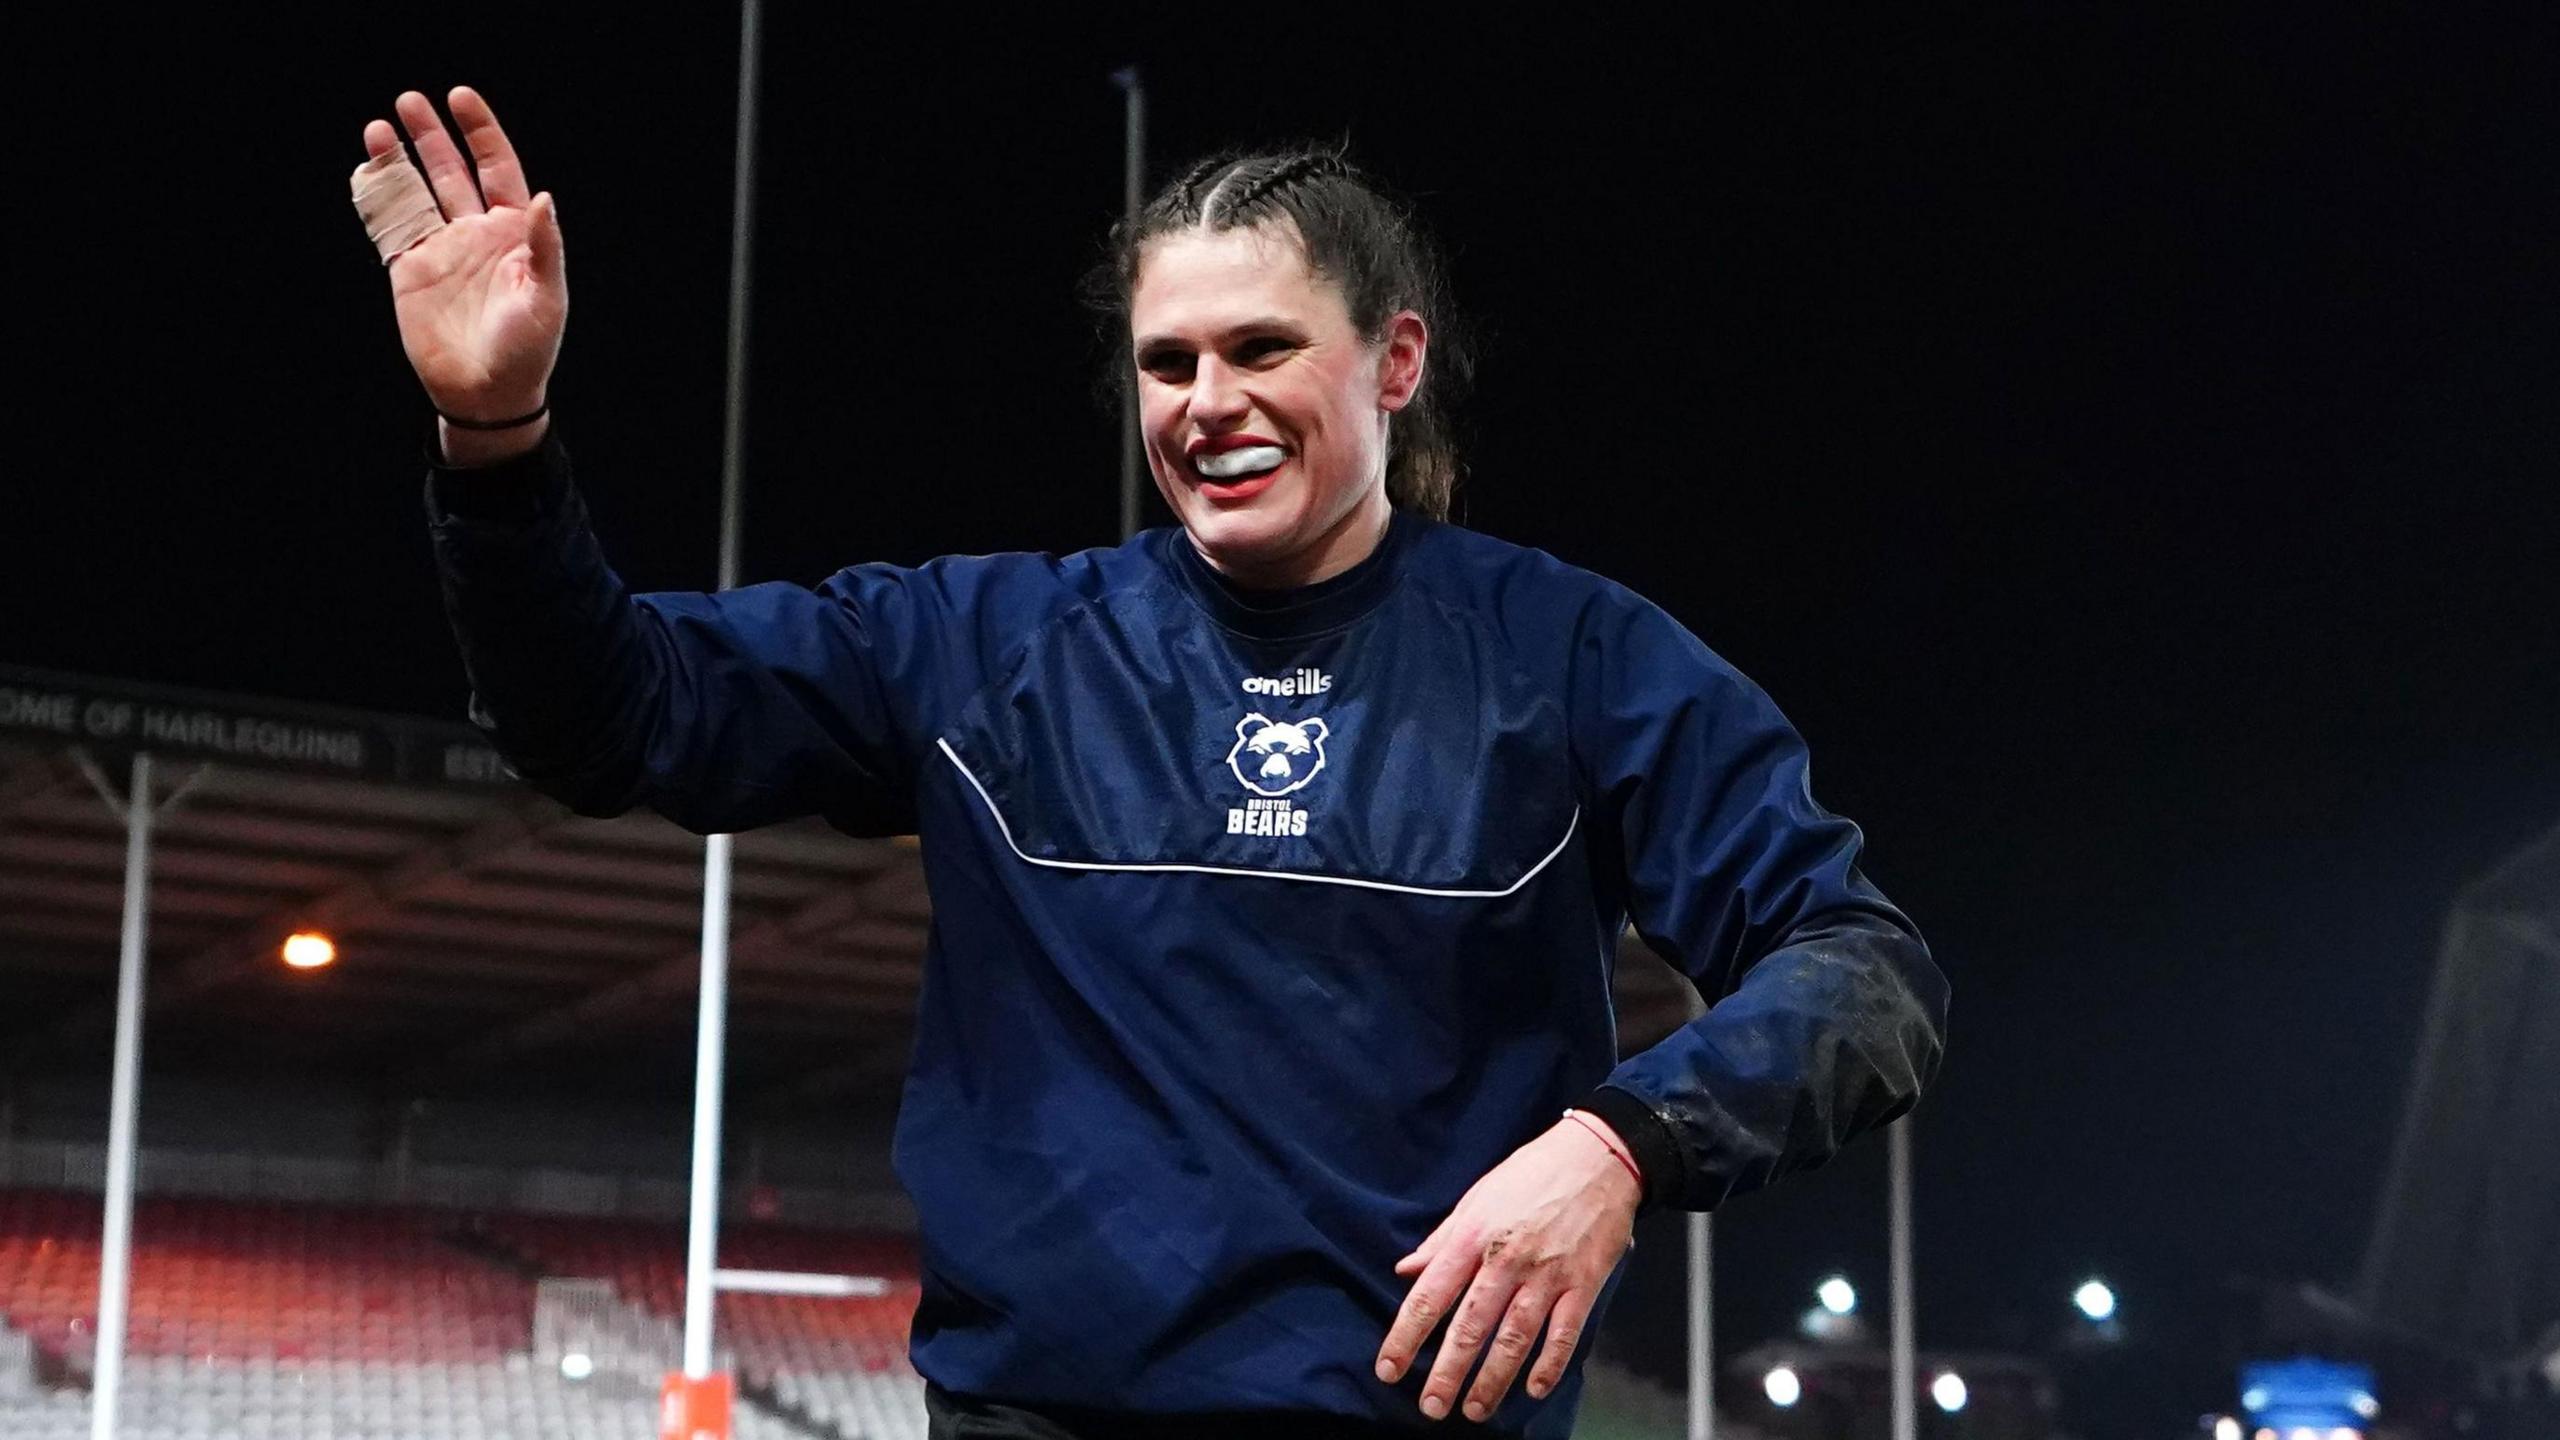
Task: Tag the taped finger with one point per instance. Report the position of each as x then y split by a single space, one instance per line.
394 202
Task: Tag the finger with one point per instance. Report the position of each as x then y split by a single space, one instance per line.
391 198
1423 1306
544 217
450 178
1564 1333
1469 1328
501 174
1510 1349
1432 1241
1420 1258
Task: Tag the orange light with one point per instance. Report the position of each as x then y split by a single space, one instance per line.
309 951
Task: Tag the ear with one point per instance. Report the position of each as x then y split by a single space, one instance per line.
1249 724
1400 360
1314 728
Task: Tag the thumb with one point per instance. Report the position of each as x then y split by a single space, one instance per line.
545 239
1420 1259
1422 1253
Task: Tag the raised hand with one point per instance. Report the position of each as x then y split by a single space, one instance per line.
479 289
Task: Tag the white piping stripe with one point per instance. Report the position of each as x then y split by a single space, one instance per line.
1576 819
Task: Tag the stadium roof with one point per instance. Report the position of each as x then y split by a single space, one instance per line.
487 937
2465 1248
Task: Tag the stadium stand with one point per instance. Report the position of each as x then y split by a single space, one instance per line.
267 1321
842 1363
176 1398
230 1280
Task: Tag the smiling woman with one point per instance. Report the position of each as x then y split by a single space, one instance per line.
1289 331
1279 858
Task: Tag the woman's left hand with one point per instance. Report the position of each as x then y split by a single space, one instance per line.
1530 1244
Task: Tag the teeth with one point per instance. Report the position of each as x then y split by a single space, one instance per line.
1251 460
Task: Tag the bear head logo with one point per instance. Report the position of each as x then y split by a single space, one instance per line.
1274 757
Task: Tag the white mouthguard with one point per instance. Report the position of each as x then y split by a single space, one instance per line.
1250 460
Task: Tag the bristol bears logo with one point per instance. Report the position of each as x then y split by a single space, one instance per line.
1275 757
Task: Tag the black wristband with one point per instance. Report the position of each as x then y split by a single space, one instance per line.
1648 1137
458 423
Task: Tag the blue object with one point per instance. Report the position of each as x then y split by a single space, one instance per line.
2319 1394
1264 924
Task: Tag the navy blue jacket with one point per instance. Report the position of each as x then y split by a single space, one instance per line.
1264 924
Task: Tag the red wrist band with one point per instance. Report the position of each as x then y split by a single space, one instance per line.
1610 1145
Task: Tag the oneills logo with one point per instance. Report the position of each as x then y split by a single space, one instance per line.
1305 682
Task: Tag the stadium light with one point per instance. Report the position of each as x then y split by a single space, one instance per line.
1948 1390
309 950
2095 1300
1783 1388
576 1365
2226 1427
1837 1295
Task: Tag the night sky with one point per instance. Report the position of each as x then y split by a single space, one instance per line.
2124 446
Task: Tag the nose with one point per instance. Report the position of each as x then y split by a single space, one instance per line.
1217 395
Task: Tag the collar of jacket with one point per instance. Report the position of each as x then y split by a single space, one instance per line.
1297 613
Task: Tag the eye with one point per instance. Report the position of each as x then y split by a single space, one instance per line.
1262 348
1171 366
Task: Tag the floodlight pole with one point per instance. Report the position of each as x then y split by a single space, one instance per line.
1702 1332
712 1020
1906 1413
115 1266
1702 1289
702 1241
1133 173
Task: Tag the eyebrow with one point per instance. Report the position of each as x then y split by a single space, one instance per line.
1261 323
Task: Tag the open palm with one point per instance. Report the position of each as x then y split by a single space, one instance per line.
482 301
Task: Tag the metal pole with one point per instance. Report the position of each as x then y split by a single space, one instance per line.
712 1021
710 1035
1702 1331
115 1270
1702 1288
790 1282
742 233
1133 168
1906 1413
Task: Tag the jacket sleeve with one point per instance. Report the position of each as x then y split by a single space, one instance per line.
1826 1014
721 712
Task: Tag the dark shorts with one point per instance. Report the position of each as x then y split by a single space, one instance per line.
950 1416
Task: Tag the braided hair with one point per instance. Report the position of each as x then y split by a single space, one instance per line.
1352 232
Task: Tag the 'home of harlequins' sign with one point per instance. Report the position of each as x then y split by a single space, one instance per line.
120 715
